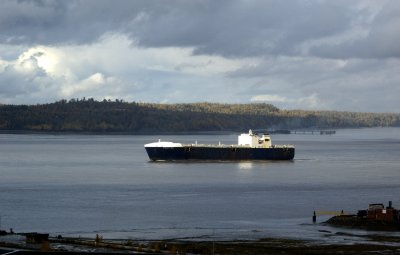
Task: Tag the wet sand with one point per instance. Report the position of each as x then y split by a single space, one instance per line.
376 245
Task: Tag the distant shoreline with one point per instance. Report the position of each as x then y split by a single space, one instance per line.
93 117
25 132
177 133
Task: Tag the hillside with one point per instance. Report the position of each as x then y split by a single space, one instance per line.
119 116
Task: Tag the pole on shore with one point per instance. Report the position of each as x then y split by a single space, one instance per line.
314 217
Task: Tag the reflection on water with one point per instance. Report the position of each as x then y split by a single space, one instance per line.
245 166
85 184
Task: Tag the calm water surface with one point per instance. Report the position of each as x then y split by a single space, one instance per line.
87 184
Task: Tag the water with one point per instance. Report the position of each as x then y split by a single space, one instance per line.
86 184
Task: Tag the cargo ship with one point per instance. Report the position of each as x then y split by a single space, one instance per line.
250 147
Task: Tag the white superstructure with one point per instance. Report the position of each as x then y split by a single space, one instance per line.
250 140
163 144
254 141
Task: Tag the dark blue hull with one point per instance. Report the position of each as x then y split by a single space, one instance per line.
219 153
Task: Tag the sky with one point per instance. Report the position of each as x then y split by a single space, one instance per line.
296 54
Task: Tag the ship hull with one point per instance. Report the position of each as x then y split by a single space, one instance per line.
219 153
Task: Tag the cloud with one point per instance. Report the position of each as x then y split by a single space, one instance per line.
309 102
94 82
37 75
315 83
312 54
113 68
378 40
23 77
337 29
240 28
234 29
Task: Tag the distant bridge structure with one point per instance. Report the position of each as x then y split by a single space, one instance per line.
313 132
296 132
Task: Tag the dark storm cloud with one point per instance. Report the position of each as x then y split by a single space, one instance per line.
381 41
240 28
227 28
30 21
54 22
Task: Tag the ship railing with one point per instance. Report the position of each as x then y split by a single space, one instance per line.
209 145
282 146
233 145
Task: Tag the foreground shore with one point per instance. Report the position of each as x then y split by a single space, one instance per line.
18 244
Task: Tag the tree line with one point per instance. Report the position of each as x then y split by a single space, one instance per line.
119 116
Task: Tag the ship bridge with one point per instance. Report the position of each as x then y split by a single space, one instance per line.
254 141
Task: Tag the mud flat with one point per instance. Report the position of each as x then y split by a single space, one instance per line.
377 245
362 223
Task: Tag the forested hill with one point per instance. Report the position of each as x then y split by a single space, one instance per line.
119 116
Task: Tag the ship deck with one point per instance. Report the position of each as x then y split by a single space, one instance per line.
235 146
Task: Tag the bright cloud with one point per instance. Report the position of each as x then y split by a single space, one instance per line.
114 68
